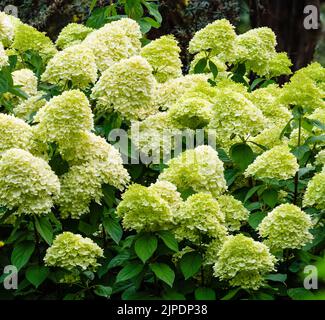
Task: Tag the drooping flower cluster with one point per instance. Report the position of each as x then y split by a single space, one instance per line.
169 92
72 251
306 88
28 38
233 113
6 29
243 262
267 100
114 41
193 113
200 216
199 169
277 163
234 211
315 192
26 79
75 64
154 136
72 34
27 183
64 116
286 227
217 37
126 87
148 209
163 56
14 133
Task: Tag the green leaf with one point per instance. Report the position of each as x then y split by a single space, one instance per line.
255 83
300 151
113 228
213 68
255 219
133 9
200 65
22 253
129 271
300 294
205 294
278 277
163 272
252 191
119 259
190 264
230 294
171 294
152 22
103 291
242 155
169 240
37 274
315 139
44 228
153 10
270 197
145 246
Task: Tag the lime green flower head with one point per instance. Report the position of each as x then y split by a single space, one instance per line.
286 227
276 163
72 34
267 100
114 41
218 36
27 80
85 147
234 211
126 87
27 183
79 186
154 136
269 138
6 29
233 113
198 217
28 38
166 94
243 262
64 116
4 60
199 169
256 48
306 88
75 64
27 108
279 65
14 133
315 192
144 209
72 251
314 71
193 113
163 56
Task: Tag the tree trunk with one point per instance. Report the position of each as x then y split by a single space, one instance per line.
286 18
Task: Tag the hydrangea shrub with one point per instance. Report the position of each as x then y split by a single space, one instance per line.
104 192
